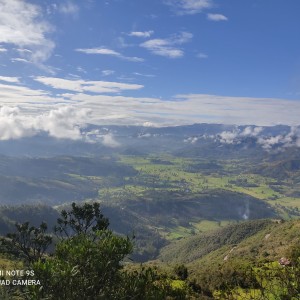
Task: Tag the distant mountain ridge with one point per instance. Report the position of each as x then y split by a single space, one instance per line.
109 139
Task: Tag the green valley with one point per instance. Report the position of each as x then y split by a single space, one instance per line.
206 219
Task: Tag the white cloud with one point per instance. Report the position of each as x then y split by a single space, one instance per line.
216 17
24 51
251 131
68 8
104 136
142 34
267 142
236 136
188 109
21 24
118 109
162 47
11 94
9 79
80 85
80 69
107 72
167 47
122 43
189 7
105 51
109 141
18 59
243 110
143 75
145 135
228 137
12 126
149 124
191 140
3 50
281 141
63 122
202 55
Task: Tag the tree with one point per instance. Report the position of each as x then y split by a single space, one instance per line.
88 262
85 219
84 268
181 271
30 242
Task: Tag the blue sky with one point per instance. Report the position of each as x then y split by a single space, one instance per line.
152 62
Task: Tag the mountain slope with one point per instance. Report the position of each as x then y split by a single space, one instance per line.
191 249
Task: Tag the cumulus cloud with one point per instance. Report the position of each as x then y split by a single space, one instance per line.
109 52
281 141
216 17
189 7
142 34
191 140
267 142
251 131
102 135
109 141
87 86
63 122
167 47
229 137
13 126
21 24
237 135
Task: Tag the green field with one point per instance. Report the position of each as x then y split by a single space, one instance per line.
168 175
173 174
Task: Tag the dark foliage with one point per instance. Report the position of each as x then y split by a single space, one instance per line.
29 241
85 219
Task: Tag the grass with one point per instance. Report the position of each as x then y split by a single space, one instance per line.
206 225
289 202
178 233
273 287
169 173
178 178
6 264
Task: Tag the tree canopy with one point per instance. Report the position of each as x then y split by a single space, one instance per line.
88 261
